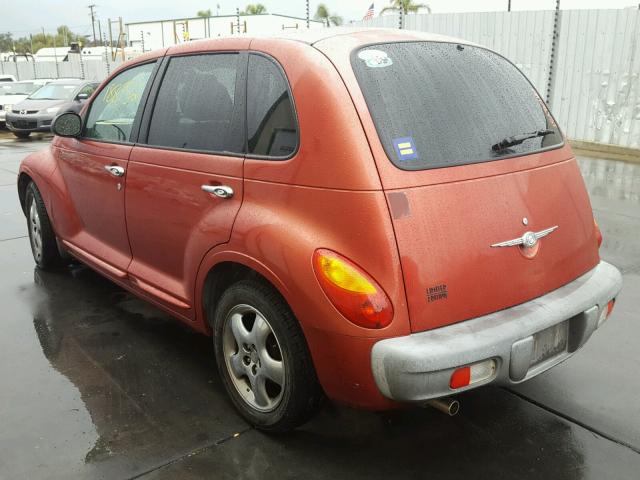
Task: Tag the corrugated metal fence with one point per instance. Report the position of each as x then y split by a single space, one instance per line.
595 86
87 69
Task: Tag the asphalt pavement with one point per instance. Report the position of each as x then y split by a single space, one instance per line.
95 383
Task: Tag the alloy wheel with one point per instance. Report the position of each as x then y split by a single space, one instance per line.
253 358
36 231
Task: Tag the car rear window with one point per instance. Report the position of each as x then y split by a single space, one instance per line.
271 122
439 104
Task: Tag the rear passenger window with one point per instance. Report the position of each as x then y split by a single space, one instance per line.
195 106
271 121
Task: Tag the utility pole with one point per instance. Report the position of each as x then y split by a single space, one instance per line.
121 34
238 18
100 30
111 41
509 6
93 22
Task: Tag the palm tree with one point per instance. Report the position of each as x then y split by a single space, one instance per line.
407 6
204 13
322 13
256 9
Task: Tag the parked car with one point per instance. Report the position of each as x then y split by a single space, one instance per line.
7 78
15 92
378 216
36 113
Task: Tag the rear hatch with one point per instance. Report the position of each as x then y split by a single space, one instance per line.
480 227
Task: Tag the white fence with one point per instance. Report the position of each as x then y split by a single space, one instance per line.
594 89
87 69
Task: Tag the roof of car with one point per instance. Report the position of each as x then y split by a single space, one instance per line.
315 35
69 81
34 80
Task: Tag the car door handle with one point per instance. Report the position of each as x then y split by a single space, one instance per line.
221 191
114 170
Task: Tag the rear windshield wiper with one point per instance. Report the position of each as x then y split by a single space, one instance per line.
518 139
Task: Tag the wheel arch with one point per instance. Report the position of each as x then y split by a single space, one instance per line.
23 182
222 269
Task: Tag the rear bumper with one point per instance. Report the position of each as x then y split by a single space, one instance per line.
419 366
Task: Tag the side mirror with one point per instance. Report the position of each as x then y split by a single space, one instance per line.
82 96
67 124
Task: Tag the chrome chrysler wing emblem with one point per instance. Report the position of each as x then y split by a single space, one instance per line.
528 239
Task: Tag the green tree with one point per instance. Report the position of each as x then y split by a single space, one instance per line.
204 13
408 6
323 14
254 9
6 42
62 38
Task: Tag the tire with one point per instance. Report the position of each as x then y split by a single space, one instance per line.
41 237
270 336
22 134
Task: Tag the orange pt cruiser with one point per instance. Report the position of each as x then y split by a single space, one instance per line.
379 216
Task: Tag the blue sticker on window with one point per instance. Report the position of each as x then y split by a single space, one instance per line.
405 148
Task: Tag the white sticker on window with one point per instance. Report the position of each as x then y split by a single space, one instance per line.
375 58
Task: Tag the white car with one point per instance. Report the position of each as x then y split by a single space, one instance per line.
15 92
7 78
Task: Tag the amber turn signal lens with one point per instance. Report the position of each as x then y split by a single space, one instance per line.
351 290
598 233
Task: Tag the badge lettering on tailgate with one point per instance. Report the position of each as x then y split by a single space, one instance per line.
437 292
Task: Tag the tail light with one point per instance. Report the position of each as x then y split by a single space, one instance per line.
475 373
598 233
351 290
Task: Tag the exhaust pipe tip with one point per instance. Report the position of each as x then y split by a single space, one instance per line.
447 405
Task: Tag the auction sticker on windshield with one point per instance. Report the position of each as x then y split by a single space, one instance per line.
375 58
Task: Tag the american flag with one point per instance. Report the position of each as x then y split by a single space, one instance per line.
369 14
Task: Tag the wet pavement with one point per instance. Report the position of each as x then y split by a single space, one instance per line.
95 383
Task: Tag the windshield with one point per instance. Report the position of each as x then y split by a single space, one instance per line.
54 91
15 88
443 104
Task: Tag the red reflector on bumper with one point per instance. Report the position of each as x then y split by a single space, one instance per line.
460 378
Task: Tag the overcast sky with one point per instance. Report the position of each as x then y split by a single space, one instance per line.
15 18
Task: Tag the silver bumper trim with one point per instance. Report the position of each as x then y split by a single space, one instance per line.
419 366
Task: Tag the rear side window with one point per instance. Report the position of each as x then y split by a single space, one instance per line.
442 104
271 123
195 107
114 109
